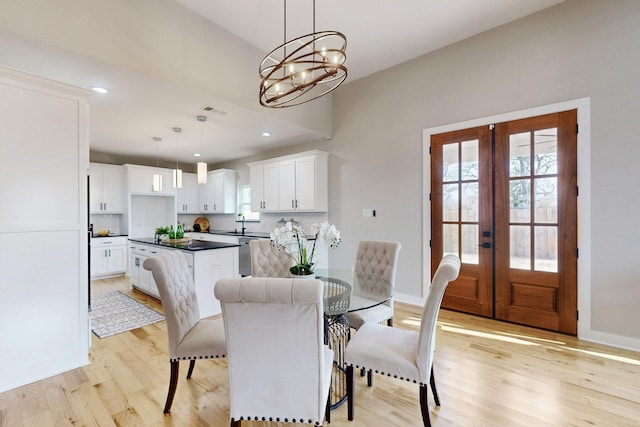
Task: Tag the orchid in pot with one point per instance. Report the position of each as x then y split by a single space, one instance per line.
291 238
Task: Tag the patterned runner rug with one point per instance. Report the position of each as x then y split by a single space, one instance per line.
114 312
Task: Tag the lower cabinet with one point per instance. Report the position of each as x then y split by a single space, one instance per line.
108 256
206 268
140 278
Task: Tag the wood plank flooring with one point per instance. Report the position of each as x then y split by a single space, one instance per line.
488 373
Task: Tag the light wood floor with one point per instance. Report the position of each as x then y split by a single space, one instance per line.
488 373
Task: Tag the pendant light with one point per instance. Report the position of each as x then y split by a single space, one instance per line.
157 177
202 166
304 68
177 172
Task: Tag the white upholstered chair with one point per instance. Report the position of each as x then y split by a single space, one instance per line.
190 338
378 258
279 366
399 353
268 261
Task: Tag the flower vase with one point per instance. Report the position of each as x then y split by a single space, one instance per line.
301 272
304 276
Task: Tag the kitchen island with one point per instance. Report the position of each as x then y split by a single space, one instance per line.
208 262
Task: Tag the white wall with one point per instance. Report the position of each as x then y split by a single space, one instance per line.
44 324
158 38
581 48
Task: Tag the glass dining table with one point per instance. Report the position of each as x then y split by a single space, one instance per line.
346 291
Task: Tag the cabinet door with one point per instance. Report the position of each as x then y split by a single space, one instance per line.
217 193
305 183
271 187
117 261
112 189
256 181
95 188
135 264
189 194
203 190
98 261
287 185
141 180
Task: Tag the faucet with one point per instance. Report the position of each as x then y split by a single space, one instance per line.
243 227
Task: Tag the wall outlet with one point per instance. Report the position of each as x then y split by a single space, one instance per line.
368 213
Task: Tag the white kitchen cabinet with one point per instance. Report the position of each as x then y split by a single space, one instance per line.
189 194
263 179
209 267
108 256
220 193
291 183
106 185
140 278
139 180
206 267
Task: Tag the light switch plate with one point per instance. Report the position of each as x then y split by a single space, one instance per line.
368 213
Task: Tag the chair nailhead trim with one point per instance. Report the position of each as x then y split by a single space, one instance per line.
277 419
390 375
217 356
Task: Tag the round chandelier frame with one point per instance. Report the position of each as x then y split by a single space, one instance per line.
311 66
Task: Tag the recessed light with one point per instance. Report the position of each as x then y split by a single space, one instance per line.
99 89
196 154
266 134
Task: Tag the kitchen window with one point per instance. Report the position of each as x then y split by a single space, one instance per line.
244 204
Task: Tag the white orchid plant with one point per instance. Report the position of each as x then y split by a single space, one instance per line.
291 238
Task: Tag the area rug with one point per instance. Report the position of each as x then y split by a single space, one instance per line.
114 312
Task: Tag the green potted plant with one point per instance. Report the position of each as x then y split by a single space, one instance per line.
160 232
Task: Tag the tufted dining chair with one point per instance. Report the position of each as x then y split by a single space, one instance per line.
190 338
268 261
279 366
378 258
400 353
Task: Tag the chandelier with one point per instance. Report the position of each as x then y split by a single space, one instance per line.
310 67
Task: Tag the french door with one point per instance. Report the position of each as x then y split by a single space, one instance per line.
504 199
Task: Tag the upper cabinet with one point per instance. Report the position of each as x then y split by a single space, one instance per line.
290 183
105 189
219 195
140 180
189 194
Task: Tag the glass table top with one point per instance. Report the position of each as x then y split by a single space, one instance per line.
347 291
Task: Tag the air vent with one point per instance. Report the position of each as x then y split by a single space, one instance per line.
213 110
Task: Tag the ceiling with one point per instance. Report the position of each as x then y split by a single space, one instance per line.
380 34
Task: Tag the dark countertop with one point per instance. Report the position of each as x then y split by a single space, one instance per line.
192 246
95 236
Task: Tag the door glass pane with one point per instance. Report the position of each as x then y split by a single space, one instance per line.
546 249
450 162
450 239
520 247
520 200
546 151
469 159
470 204
469 244
520 154
546 199
450 202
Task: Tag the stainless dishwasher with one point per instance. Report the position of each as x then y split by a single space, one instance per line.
244 259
